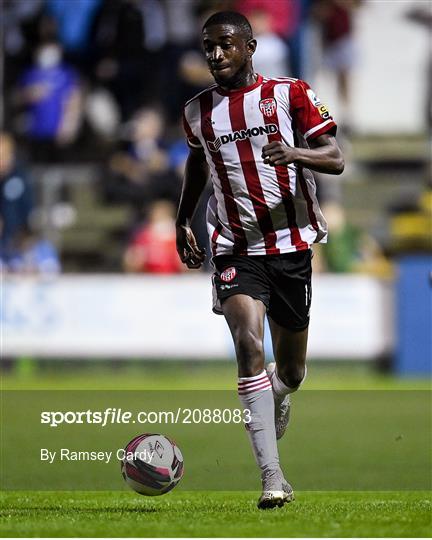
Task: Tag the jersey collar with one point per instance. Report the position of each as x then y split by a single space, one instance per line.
242 90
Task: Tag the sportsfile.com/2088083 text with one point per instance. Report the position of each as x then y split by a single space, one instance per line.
181 415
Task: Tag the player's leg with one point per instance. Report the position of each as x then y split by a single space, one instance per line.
289 371
289 349
289 320
245 318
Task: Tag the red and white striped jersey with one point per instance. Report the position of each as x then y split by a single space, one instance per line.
258 209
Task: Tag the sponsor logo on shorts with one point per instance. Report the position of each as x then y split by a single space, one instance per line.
268 106
229 274
228 287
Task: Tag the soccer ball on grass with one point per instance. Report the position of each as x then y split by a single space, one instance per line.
152 464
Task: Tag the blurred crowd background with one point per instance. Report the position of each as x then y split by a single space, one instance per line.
92 149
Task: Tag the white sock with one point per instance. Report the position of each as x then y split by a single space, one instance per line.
256 396
280 389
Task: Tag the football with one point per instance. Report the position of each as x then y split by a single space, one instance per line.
152 464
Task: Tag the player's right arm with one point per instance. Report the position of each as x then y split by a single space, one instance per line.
195 179
313 121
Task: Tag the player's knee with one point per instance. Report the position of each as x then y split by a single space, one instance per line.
250 353
248 345
292 376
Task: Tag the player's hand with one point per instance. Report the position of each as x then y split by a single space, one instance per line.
187 248
278 153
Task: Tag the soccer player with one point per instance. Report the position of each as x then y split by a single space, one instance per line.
259 138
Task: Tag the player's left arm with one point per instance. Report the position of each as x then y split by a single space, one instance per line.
324 155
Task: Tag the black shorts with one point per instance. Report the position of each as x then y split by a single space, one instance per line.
281 282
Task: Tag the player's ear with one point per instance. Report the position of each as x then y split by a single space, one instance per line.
251 46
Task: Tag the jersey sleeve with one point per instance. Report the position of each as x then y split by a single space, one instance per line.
311 117
192 140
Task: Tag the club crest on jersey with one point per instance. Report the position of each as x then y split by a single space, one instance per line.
229 274
268 106
240 135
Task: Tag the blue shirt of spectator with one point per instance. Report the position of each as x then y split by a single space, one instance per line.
46 112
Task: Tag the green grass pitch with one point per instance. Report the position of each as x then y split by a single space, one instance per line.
404 510
215 514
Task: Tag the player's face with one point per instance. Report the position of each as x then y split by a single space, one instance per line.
228 54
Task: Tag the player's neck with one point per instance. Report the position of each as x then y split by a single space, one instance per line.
243 80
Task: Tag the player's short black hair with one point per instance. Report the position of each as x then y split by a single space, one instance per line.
233 18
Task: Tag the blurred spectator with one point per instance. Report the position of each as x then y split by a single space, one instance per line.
20 250
153 246
182 30
51 96
16 198
411 223
336 18
31 254
283 15
141 174
102 113
271 57
129 37
15 14
19 20
192 74
193 71
299 40
349 249
283 31
180 21
342 249
74 20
